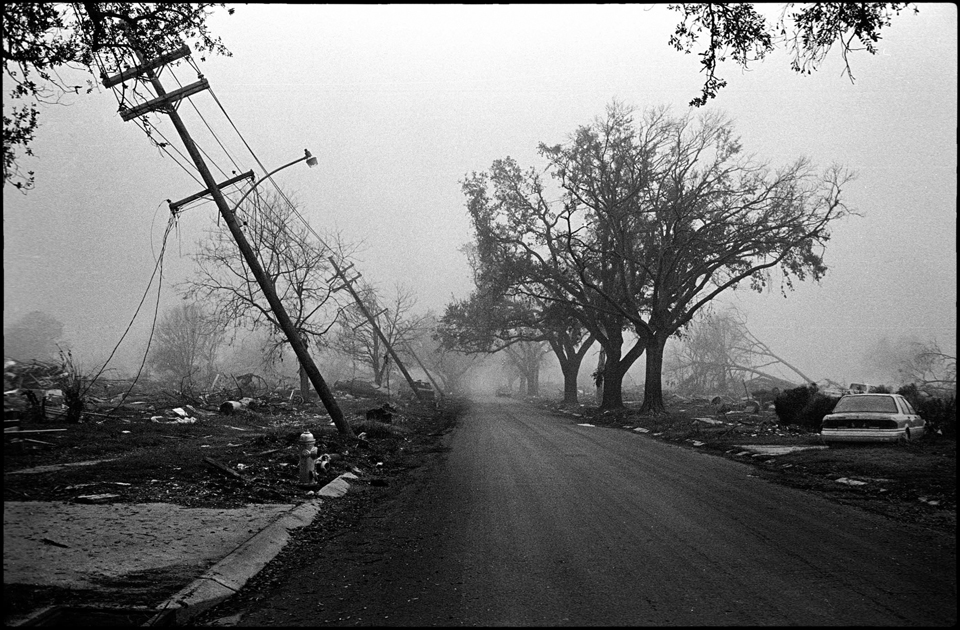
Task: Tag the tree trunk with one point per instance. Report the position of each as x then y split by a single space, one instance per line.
304 383
302 371
653 386
613 373
511 379
380 371
570 358
570 390
533 381
616 367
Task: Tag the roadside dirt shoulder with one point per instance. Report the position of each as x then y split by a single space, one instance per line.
914 483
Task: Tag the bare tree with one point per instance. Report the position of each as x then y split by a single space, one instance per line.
717 353
929 368
357 339
185 346
290 255
448 368
453 368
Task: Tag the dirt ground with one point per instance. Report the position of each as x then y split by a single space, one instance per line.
913 483
149 453
203 458
153 453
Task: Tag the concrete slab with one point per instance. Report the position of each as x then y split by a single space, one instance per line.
214 551
230 574
77 546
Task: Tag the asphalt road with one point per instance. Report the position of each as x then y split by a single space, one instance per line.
530 519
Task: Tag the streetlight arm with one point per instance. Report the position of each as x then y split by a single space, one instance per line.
260 181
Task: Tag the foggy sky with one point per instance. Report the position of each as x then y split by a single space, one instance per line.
400 102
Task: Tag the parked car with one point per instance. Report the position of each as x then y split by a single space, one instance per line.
872 418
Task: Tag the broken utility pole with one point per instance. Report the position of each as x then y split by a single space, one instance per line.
348 284
165 102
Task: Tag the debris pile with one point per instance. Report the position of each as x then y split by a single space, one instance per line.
383 413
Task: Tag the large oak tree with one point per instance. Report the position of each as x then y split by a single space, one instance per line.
654 218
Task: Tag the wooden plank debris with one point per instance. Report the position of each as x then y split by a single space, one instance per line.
220 466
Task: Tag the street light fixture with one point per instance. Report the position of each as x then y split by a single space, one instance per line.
176 205
308 157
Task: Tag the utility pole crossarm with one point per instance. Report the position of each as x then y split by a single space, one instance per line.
164 100
176 205
130 73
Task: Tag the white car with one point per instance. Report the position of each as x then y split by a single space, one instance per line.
872 418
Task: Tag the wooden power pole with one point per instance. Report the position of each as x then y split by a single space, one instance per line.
166 102
348 284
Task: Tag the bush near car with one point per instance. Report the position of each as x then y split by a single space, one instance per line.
803 406
940 413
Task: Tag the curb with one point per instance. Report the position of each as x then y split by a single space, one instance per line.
229 575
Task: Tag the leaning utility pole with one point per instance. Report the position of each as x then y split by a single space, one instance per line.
425 370
348 284
166 103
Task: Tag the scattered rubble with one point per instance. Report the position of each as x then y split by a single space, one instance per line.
383 413
850 482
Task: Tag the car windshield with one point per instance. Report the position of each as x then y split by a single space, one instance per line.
864 402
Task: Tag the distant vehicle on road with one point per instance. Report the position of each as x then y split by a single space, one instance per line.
872 418
504 392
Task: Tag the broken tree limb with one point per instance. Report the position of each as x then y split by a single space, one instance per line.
230 472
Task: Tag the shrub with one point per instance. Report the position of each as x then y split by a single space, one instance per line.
939 413
803 406
913 394
791 402
819 405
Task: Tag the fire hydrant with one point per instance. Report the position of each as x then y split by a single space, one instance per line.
308 455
